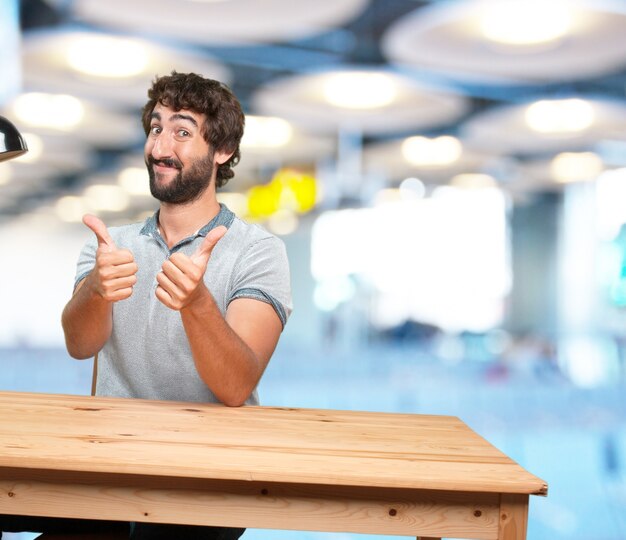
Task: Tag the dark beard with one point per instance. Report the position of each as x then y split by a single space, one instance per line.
185 187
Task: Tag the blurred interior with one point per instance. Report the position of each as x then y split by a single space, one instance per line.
449 178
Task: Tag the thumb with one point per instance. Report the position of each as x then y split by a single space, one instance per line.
100 230
202 254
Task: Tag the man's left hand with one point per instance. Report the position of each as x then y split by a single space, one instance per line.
180 280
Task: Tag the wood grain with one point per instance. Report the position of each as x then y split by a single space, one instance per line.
261 467
302 507
253 444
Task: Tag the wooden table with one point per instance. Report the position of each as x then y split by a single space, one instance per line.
259 467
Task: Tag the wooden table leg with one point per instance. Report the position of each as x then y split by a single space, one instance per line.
513 517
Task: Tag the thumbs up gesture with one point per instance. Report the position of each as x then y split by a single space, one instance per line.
114 274
180 280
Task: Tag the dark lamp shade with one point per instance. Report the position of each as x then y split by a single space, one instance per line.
12 143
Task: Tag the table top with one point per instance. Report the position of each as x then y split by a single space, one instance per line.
68 433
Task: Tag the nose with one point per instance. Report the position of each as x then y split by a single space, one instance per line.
161 147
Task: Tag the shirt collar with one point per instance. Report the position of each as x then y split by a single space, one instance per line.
224 217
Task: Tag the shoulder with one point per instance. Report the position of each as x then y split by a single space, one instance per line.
248 234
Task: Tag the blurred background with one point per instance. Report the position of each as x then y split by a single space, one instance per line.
449 178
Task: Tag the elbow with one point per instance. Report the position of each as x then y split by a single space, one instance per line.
236 397
79 353
234 400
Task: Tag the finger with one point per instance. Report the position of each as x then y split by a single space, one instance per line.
100 230
202 254
167 293
164 297
168 285
175 272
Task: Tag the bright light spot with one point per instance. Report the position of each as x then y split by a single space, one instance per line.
437 152
134 180
412 188
262 201
387 196
35 148
330 293
588 361
5 174
576 166
48 110
473 181
359 90
107 198
409 255
266 132
105 56
71 209
525 22
289 189
236 202
560 116
610 197
283 222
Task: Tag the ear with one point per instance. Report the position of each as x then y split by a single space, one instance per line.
220 157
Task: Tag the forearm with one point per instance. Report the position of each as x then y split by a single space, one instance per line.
226 364
86 321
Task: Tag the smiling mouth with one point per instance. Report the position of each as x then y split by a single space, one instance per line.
164 163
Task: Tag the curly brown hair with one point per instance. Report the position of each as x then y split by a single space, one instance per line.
225 120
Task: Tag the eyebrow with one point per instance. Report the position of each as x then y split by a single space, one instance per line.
176 116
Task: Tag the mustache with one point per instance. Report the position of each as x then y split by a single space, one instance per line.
167 162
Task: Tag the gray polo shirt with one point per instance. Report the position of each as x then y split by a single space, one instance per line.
148 354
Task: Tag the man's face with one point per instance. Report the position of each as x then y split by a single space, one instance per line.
179 160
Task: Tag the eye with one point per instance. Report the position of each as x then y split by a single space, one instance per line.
183 133
155 130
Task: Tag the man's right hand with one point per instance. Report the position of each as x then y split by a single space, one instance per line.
115 272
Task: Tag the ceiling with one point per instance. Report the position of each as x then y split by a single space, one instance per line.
446 80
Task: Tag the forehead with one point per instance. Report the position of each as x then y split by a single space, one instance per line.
167 114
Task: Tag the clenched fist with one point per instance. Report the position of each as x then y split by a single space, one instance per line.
113 276
180 280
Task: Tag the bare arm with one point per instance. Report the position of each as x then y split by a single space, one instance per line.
230 352
87 317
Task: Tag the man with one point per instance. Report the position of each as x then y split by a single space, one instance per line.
190 304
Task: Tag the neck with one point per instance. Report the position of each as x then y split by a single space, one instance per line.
179 221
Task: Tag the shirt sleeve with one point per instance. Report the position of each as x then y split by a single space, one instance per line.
86 261
262 273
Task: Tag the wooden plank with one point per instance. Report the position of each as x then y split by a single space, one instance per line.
257 505
253 443
513 517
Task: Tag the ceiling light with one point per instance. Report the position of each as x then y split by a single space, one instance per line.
105 197
134 180
71 209
266 132
525 22
412 188
576 166
58 111
473 181
437 152
104 56
359 90
560 116
35 148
